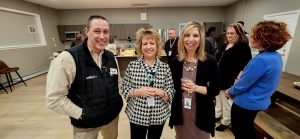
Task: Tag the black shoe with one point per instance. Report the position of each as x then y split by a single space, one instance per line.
218 119
221 127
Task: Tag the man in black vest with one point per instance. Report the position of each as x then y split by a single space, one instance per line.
82 83
171 48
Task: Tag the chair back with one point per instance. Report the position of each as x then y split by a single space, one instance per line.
3 65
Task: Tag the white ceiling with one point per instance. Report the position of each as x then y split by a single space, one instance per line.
88 4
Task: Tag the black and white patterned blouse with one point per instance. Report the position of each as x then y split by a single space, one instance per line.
137 109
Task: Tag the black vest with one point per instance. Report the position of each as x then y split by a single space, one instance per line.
95 90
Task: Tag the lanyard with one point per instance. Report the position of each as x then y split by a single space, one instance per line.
171 44
150 75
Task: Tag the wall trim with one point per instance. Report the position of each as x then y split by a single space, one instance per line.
39 28
21 46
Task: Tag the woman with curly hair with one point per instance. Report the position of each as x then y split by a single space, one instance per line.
259 80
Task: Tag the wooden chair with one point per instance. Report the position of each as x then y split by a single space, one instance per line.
4 69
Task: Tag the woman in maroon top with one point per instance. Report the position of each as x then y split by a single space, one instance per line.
196 81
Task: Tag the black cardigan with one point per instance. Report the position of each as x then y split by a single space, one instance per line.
207 75
231 62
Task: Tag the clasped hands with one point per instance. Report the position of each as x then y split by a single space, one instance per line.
227 95
151 92
189 86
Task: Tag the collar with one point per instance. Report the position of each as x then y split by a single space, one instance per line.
94 54
158 62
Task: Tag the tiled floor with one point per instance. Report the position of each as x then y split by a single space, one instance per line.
24 115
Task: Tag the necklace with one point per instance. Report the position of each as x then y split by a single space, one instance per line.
189 68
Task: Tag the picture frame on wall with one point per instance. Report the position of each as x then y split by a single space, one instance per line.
31 29
181 26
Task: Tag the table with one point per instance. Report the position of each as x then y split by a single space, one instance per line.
286 85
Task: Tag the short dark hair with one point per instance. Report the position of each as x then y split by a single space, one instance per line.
241 22
270 35
210 30
172 29
91 18
111 40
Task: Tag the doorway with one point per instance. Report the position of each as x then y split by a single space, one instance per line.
291 19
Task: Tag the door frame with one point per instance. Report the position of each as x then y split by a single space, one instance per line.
292 32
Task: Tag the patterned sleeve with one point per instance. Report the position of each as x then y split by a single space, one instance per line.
127 84
169 86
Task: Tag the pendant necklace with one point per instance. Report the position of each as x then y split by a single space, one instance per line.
189 68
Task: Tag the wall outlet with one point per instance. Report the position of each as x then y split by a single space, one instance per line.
54 39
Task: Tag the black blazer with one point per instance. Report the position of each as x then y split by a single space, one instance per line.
207 75
232 61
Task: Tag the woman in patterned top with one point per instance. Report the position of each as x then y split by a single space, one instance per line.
196 80
148 87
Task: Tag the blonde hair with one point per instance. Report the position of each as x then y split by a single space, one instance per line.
200 54
149 33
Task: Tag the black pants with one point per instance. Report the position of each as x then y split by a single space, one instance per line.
139 131
242 121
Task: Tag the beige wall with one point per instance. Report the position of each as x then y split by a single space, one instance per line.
31 60
157 17
35 59
252 11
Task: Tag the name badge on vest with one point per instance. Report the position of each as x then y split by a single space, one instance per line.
113 71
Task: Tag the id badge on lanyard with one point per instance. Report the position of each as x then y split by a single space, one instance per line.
150 79
187 101
170 53
150 101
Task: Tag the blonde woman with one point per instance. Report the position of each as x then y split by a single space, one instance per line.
196 80
148 87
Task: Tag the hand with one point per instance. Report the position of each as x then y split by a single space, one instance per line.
188 85
227 95
145 91
161 93
238 77
235 81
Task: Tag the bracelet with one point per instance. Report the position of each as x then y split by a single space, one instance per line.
133 92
